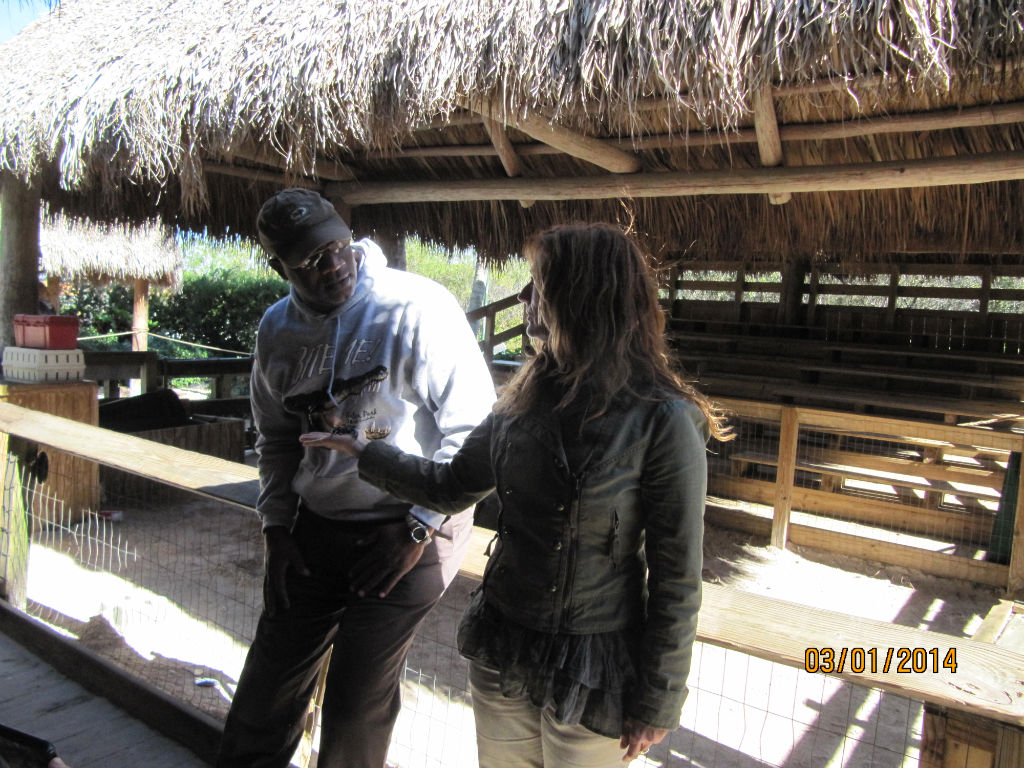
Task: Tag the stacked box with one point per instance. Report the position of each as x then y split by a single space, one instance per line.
46 331
26 364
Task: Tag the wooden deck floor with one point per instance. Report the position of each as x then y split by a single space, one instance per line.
86 729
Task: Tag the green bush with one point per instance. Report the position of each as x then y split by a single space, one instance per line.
221 308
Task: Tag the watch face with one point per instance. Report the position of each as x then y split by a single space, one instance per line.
419 533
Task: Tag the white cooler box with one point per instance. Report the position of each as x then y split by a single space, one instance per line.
24 364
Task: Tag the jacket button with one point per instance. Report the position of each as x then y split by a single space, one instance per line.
558 463
508 491
557 545
559 507
506 531
553 588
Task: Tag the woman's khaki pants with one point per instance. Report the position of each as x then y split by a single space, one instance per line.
513 733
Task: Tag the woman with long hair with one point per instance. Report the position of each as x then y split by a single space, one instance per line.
580 634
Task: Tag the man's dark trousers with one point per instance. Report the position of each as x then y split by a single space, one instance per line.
370 638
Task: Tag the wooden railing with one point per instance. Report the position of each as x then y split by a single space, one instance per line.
108 367
912 525
488 313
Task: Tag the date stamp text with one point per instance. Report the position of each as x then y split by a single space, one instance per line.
875 660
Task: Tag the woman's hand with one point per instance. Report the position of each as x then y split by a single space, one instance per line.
341 443
637 738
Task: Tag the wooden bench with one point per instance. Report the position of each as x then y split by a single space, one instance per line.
949 409
931 478
1007 383
965 359
957 738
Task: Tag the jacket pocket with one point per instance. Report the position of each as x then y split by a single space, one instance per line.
615 540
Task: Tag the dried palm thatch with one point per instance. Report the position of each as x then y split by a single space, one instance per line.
99 254
136 102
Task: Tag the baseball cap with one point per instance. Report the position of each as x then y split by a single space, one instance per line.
295 222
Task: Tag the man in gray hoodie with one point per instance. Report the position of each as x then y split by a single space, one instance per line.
350 571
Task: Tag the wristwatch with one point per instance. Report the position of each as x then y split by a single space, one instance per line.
418 532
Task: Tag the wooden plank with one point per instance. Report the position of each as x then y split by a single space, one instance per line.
995 622
835 462
934 563
72 487
924 521
476 560
986 682
155 708
1015 580
216 478
899 429
991 381
87 731
782 502
980 409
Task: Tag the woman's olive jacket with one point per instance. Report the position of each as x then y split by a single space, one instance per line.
573 548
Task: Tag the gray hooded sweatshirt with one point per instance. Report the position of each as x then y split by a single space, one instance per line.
397 361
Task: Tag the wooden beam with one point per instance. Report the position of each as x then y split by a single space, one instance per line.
506 152
323 169
978 169
19 253
587 148
766 126
266 177
973 117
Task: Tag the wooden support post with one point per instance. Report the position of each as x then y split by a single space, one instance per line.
506 152
812 298
791 293
769 145
53 289
393 247
893 299
738 288
489 337
19 253
14 527
140 330
1015 576
788 434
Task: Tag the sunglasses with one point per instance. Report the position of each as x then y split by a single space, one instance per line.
332 251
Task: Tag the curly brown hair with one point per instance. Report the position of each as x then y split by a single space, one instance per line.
598 297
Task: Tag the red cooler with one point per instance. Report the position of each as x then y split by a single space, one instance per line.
46 331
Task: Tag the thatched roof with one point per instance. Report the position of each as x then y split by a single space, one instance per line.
196 110
100 254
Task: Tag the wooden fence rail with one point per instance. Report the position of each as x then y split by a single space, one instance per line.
927 473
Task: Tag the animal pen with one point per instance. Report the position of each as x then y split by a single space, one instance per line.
832 191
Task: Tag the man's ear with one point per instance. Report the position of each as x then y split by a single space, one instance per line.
275 264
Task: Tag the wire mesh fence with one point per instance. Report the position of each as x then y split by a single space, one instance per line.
936 498
167 585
